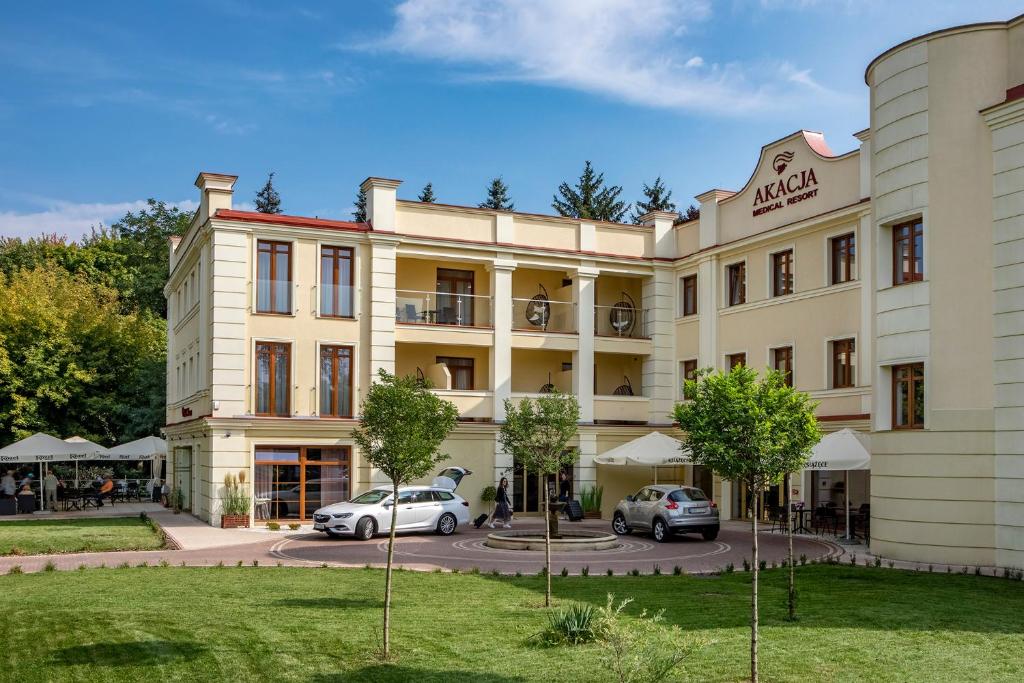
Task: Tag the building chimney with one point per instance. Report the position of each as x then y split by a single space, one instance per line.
664 237
381 196
215 190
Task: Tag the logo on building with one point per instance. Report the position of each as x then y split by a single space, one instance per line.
781 161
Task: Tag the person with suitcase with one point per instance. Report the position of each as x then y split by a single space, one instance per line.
502 505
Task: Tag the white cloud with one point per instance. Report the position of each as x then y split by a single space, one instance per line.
635 52
71 219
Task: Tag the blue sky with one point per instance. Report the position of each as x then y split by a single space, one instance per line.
104 104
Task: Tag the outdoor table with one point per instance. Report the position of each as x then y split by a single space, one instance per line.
799 520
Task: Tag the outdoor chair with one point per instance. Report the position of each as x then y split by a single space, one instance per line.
132 492
777 517
825 518
26 505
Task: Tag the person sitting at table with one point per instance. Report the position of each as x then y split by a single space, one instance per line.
26 499
106 491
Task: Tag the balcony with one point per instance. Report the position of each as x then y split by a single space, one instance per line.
621 321
414 307
539 314
621 409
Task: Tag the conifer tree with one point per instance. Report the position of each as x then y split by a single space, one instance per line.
359 214
591 198
497 197
692 213
427 196
267 199
659 198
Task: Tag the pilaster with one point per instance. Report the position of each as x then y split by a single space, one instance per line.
383 258
501 350
658 370
583 358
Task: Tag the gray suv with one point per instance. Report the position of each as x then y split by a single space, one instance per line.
665 510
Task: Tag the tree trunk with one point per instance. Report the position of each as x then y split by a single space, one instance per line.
792 569
387 576
547 547
753 592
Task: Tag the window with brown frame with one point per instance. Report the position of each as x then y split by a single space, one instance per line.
273 378
782 273
908 396
336 381
782 360
689 372
336 282
844 258
908 252
688 295
292 482
736 359
737 273
455 296
843 363
273 277
461 370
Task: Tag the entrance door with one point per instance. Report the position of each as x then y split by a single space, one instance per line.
743 501
183 474
454 296
527 493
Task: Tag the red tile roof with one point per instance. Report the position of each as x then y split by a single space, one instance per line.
294 221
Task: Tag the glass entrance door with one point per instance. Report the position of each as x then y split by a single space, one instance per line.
454 296
527 493
743 501
183 475
294 481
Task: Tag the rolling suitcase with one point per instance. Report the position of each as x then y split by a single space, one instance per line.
574 511
479 521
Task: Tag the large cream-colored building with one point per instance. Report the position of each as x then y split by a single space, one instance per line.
889 280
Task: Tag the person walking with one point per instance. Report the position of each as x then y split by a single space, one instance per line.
502 505
50 485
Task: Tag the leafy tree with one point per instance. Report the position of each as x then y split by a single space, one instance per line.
400 433
359 215
427 196
692 213
536 432
752 432
267 199
497 197
658 198
72 362
590 199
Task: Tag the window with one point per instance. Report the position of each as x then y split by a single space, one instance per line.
736 359
336 282
294 481
273 378
907 252
461 370
844 258
737 274
688 294
273 277
782 360
688 370
782 273
908 396
336 381
454 296
843 363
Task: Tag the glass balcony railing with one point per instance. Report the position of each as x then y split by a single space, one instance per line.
543 315
440 308
336 301
621 320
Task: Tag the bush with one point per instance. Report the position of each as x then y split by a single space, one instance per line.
677 570
730 568
50 566
572 625
294 526
634 572
639 649
16 569
746 565
657 570
803 560
273 526
565 571
591 497
488 495
236 495
585 571
878 562
610 572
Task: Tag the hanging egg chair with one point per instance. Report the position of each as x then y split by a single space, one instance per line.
624 389
622 316
548 388
421 379
538 309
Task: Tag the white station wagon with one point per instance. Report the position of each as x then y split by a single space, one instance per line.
420 508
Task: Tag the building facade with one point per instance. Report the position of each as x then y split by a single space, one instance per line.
887 280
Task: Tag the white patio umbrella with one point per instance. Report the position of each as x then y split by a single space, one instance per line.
650 450
96 452
43 448
844 450
151 448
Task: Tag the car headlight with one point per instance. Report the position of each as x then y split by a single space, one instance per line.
342 515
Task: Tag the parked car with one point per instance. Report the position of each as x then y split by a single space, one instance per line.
420 508
665 510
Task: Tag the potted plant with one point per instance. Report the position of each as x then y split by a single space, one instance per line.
235 502
487 497
590 501
177 499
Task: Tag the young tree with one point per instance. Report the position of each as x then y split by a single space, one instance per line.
537 433
497 197
359 213
428 196
590 198
400 433
658 198
751 432
267 199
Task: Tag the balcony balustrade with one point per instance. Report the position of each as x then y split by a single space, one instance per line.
416 307
543 315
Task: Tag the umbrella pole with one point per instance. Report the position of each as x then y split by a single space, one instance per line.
846 500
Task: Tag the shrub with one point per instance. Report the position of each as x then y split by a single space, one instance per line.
273 526
591 497
220 563
142 565
81 567
730 568
238 564
475 571
774 565
977 571
16 569
930 569
639 649
488 495
677 570
803 560
124 565
50 566
294 526
572 625
893 564
610 572
495 572
235 500
746 565
878 562
519 575
585 571
165 563
853 560
634 572
657 570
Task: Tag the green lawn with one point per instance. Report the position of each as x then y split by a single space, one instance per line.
46 536
320 625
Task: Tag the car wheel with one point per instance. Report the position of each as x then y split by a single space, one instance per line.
365 529
660 530
619 525
709 534
446 524
332 533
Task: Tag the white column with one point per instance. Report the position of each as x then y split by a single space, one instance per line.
383 252
865 358
586 470
503 467
501 350
583 359
658 370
